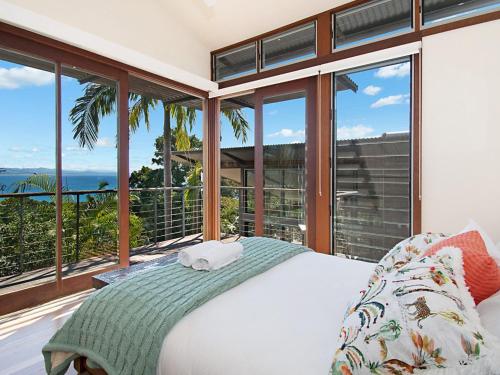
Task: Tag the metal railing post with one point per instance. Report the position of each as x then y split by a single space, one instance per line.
77 227
183 205
21 235
155 210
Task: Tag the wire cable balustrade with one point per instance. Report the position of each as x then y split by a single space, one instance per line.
284 212
90 229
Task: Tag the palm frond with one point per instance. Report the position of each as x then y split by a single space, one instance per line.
40 182
140 105
238 122
97 101
193 179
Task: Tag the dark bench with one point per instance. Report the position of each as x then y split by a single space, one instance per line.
110 277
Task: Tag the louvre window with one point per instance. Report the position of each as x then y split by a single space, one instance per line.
373 20
290 46
446 10
236 62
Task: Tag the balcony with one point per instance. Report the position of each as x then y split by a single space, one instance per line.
90 231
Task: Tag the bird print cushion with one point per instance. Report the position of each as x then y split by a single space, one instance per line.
417 318
405 251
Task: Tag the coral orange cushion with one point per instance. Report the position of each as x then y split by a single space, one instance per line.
482 274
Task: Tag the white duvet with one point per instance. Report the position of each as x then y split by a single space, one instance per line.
284 321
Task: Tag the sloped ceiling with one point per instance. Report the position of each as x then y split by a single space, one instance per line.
219 23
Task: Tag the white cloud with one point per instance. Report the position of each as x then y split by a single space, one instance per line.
104 142
14 78
35 149
398 70
390 100
274 112
372 90
353 132
288 133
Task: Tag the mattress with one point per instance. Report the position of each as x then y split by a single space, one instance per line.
284 321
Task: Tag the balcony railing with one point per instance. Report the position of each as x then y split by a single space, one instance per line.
284 212
90 229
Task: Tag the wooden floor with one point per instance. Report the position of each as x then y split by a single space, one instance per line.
24 333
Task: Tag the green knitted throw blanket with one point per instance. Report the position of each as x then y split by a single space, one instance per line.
121 328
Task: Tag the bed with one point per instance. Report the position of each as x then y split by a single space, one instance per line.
284 320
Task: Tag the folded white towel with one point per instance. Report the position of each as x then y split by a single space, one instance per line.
188 256
218 257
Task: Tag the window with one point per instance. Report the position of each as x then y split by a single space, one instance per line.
372 160
236 62
290 46
27 171
89 170
376 19
284 139
237 174
434 11
166 197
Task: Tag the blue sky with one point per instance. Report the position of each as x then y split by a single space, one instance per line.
27 119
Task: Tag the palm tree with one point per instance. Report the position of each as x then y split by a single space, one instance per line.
99 100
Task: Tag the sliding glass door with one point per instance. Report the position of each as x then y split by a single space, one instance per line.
284 152
284 133
372 159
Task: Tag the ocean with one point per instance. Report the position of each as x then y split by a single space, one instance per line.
70 182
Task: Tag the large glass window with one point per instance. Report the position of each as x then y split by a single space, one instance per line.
166 156
372 160
290 46
434 11
27 171
373 20
89 170
235 63
237 216
284 132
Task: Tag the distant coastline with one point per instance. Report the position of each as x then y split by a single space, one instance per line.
51 172
72 180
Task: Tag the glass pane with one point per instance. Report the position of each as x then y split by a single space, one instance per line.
89 163
284 133
293 45
376 19
446 10
166 196
236 63
27 172
237 163
372 160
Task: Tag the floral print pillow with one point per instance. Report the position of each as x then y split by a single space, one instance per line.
404 252
417 318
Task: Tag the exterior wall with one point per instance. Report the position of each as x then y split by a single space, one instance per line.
461 129
147 26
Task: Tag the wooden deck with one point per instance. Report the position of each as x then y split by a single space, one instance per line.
13 283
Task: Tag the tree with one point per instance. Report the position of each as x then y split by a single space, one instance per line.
100 100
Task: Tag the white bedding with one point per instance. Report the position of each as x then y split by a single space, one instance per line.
284 321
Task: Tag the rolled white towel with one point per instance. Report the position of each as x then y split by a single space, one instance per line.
218 257
188 256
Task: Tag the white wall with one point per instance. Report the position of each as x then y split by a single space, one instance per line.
461 129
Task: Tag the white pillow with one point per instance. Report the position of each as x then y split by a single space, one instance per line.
493 250
489 311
